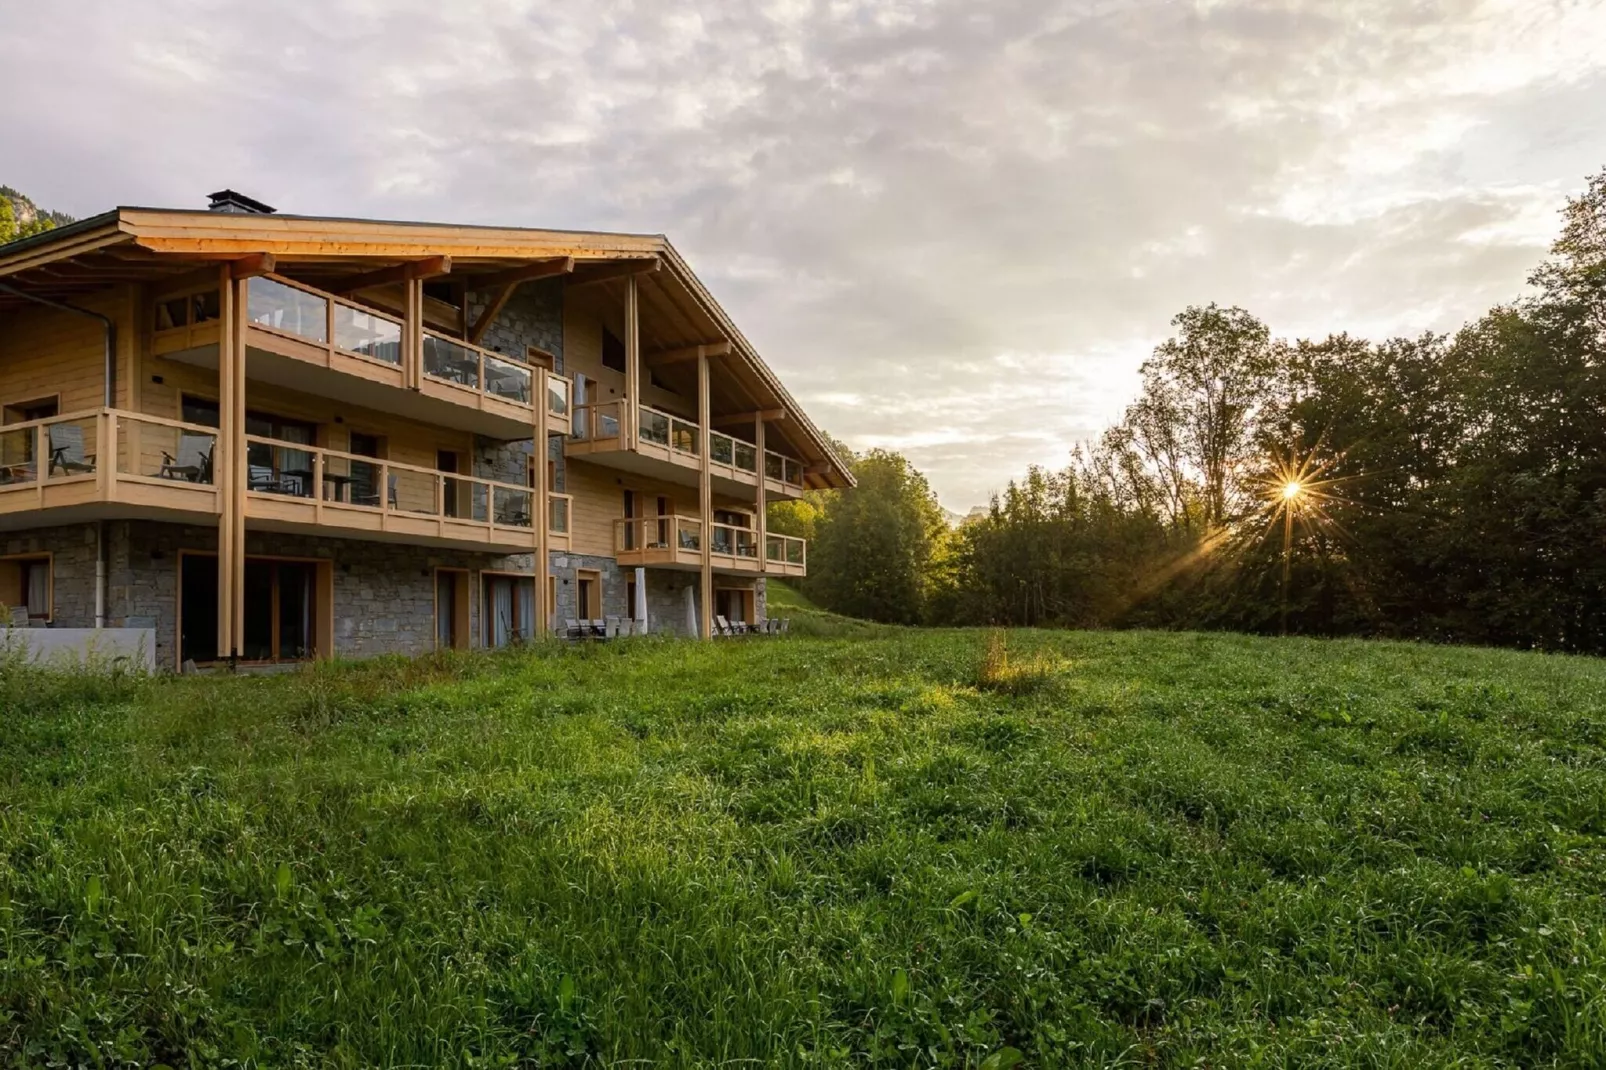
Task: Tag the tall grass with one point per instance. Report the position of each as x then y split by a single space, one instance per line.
1171 850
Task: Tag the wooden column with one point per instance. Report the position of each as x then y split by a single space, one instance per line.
631 417
538 508
223 463
237 461
763 509
705 497
413 333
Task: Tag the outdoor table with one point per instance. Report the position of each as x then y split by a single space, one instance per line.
341 483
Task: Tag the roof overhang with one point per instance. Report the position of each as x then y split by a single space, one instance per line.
155 246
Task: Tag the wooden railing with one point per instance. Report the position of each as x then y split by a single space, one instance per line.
63 460
786 550
560 507
297 311
677 540
480 370
596 420
342 485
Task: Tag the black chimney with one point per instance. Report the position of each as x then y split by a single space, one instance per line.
226 200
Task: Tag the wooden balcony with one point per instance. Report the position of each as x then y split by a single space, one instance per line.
668 447
305 339
675 542
113 464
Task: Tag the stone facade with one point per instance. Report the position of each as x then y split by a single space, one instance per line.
72 565
533 316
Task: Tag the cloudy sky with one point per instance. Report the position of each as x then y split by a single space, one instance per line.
955 228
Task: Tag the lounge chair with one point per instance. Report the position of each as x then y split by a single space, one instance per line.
572 629
67 450
194 461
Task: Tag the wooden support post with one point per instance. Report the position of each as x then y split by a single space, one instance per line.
763 510
237 461
705 497
631 417
223 464
413 333
538 508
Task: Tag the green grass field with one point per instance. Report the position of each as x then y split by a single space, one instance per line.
895 850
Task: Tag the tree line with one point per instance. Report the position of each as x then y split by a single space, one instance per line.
1443 487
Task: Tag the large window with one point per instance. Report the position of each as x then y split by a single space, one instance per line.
286 615
509 603
613 351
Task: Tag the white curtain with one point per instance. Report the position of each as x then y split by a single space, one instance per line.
641 601
582 418
501 611
38 595
527 609
691 612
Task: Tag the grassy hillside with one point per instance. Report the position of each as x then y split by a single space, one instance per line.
1137 849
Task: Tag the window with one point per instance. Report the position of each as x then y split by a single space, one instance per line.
536 357
509 605
451 609
289 612
613 351
588 594
38 409
25 587
203 411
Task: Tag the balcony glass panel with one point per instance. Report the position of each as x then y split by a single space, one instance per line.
445 359
746 456
165 452
721 448
285 308
18 446
507 380
792 470
654 427
362 332
772 465
557 395
513 507
683 437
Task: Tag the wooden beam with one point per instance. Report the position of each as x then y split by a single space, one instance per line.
760 415
705 501
632 406
541 269
492 310
618 269
675 356
427 268
250 266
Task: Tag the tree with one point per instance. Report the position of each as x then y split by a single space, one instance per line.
874 543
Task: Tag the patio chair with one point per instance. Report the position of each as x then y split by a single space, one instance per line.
723 626
263 478
572 629
67 450
194 461
598 629
785 623
614 629
18 616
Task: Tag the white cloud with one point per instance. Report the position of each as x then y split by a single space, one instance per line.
954 228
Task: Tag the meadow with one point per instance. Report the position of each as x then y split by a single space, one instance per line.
893 848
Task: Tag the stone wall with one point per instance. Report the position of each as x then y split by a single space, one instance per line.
72 550
533 316
384 593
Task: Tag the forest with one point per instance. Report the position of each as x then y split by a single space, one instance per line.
1441 487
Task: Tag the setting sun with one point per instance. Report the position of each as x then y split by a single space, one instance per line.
1291 491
